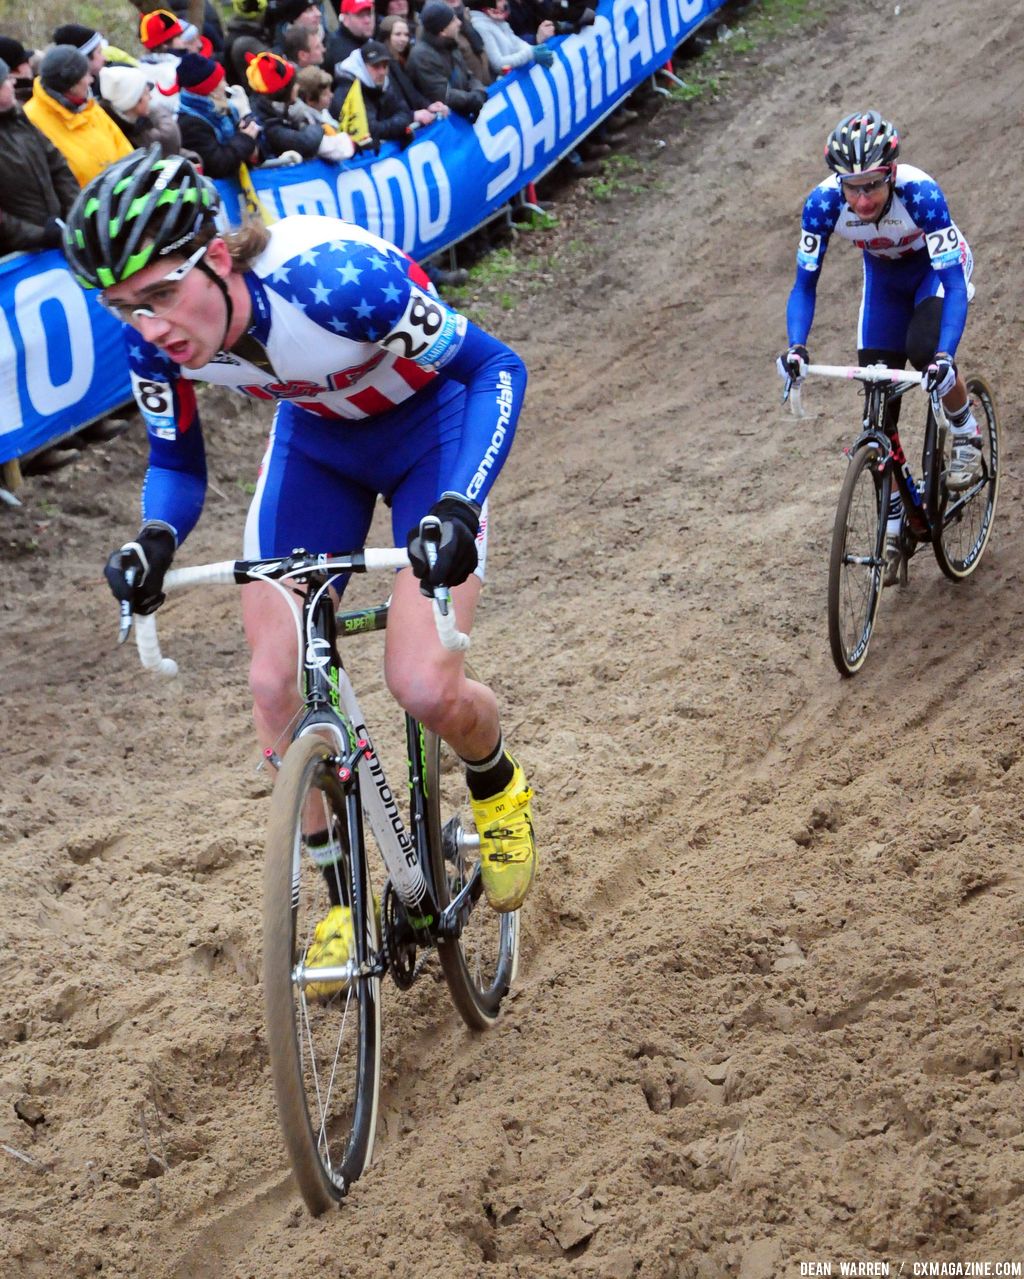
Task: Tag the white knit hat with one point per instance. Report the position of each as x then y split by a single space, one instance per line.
122 87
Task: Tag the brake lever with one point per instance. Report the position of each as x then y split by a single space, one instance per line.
126 608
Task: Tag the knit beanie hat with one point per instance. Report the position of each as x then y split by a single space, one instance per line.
269 73
62 67
198 74
435 16
122 87
13 52
85 39
156 28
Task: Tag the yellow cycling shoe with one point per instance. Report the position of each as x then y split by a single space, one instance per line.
333 942
508 852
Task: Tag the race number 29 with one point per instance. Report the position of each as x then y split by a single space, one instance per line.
944 247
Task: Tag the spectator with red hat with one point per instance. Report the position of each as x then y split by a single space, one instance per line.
19 62
63 108
209 123
272 82
36 185
127 97
356 22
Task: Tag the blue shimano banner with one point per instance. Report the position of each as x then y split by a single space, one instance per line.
62 357
453 175
62 360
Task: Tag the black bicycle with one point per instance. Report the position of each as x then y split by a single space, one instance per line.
957 525
331 801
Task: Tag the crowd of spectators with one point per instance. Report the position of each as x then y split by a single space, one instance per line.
273 85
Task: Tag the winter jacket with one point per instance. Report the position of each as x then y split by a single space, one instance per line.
284 132
220 155
501 44
340 46
401 81
159 126
88 139
35 183
436 67
386 114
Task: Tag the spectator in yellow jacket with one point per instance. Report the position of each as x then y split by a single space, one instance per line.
61 107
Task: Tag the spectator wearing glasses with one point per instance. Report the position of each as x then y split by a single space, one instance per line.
63 108
504 49
436 66
36 185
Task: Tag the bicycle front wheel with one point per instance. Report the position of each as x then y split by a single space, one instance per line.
856 562
479 964
324 1038
965 519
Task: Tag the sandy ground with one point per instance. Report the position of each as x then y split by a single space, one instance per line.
770 1001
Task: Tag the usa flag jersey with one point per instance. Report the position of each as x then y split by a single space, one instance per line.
915 237
346 327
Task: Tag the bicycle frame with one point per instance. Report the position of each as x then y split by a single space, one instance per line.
331 707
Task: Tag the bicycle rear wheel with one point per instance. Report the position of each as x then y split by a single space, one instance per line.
480 964
965 519
324 1048
856 562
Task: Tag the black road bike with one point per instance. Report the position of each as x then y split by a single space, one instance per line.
957 525
331 803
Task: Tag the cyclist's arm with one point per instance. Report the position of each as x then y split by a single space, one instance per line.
821 211
174 487
947 252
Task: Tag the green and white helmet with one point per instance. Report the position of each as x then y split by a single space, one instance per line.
139 210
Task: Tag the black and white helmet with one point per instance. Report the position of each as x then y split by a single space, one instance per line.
862 142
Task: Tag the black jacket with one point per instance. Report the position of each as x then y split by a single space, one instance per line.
339 46
35 183
281 133
436 68
219 159
386 113
402 83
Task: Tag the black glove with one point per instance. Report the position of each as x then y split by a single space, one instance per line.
940 375
456 554
789 363
53 234
150 556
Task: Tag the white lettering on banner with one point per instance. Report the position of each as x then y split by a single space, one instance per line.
534 132
639 46
428 171
10 401
559 74
313 196
600 33
505 144
387 173
355 187
683 12
29 296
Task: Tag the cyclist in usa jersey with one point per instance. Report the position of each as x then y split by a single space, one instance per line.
917 269
379 388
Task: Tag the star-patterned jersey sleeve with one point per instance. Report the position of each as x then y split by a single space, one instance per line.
820 214
927 205
174 487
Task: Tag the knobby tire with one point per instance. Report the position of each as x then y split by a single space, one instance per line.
855 590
